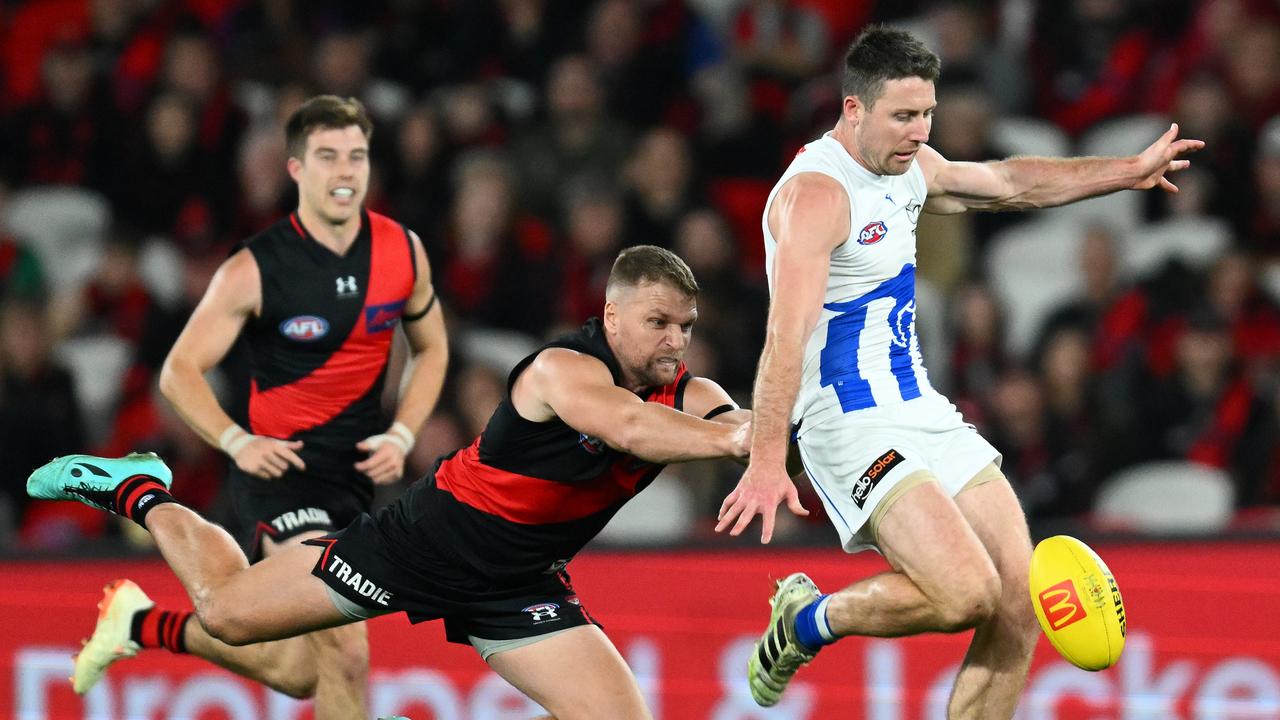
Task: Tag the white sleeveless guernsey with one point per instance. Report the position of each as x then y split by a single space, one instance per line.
863 352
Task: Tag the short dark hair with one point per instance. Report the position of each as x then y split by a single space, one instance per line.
328 112
883 53
649 263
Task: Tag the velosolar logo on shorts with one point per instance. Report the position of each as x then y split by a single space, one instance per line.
873 233
305 328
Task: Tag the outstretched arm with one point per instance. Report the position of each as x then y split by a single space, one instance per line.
1022 183
579 390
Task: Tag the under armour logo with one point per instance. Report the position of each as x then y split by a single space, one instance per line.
542 612
347 285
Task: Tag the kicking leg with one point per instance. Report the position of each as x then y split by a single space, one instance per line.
227 594
575 674
942 581
995 667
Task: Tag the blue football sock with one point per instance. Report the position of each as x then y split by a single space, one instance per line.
812 629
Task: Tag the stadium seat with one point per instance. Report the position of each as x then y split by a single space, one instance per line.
1033 267
64 226
1195 241
1028 136
98 364
160 266
1127 135
662 513
1167 497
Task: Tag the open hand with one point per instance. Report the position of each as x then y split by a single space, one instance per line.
759 492
1161 157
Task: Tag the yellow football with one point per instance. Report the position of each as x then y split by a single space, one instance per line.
1077 602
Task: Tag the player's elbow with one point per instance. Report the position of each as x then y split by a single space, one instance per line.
171 377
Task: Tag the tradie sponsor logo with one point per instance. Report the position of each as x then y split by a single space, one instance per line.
349 577
300 517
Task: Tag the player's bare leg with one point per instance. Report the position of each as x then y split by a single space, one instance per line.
576 675
995 668
943 580
338 658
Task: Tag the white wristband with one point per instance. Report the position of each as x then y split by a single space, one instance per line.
401 435
233 439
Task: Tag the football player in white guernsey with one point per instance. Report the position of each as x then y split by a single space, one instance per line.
895 464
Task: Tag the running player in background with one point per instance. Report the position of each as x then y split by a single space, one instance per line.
588 421
897 467
317 297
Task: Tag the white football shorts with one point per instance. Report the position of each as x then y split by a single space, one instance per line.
855 459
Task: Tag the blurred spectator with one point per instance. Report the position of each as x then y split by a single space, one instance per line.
266 191
594 233
498 269
971 54
1089 59
660 187
780 39
978 356
576 136
172 187
733 140
65 136
731 311
642 80
417 176
1264 225
470 117
1017 427
1204 110
1252 319
40 415
1202 409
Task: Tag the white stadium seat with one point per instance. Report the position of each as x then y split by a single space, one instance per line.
64 226
1196 241
1034 267
1167 497
1028 136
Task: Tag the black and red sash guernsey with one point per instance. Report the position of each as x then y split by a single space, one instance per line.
527 495
320 347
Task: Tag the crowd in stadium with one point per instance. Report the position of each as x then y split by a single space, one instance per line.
527 141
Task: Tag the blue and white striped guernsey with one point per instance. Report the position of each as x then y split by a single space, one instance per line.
863 352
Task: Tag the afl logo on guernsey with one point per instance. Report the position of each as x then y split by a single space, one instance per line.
593 445
304 328
873 233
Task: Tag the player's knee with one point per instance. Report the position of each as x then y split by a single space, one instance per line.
971 601
223 623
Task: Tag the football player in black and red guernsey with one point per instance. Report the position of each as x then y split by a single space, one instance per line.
317 298
588 421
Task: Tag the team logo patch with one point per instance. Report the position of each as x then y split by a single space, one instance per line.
305 328
593 445
873 233
543 613
872 476
379 318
